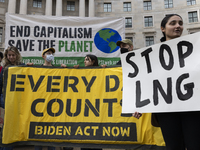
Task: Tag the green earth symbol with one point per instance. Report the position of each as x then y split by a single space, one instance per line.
105 40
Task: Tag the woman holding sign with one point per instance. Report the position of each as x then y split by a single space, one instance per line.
180 130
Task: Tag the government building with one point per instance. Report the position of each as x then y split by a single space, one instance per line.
142 17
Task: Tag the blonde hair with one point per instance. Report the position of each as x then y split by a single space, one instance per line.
6 62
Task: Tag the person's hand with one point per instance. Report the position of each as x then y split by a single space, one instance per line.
29 64
76 66
104 66
137 115
63 65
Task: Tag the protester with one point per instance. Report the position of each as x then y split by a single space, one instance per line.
90 60
180 129
125 45
12 57
48 57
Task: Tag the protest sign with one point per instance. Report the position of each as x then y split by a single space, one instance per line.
70 107
72 37
163 77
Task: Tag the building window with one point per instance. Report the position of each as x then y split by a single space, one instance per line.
1 34
168 3
127 6
192 16
107 7
37 3
2 1
148 21
191 2
147 5
149 40
71 5
128 22
130 38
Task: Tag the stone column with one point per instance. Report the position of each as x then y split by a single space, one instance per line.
58 7
81 8
11 6
23 7
48 9
91 8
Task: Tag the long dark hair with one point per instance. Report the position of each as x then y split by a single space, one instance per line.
164 22
93 58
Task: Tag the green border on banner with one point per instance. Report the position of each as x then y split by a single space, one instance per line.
70 61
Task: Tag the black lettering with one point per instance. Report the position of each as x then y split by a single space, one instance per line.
19 31
13 82
49 107
33 107
49 83
188 87
50 30
34 86
110 105
65 33
18 45
89 105
43 32
36 29
11 42
116 79
88 86
80 35
25 44
78 108
27 31
12 30
31 45
88 34
162 58
73 86
132 75
146 55
40 44
182 55
157 86
52 43
70 33
140 103
59 32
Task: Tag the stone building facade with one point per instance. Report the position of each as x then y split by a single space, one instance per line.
142 17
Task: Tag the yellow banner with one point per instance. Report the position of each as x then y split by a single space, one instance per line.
71 105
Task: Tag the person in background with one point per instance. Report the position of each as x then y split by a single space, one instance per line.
90 60
12 57
48 57
180 129
125 45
